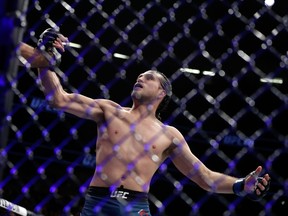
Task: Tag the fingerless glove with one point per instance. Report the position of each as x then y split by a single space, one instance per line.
45 45
238 189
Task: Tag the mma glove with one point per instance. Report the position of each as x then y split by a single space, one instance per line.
238 188
45 45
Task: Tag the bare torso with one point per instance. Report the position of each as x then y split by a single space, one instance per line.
132 143
129 150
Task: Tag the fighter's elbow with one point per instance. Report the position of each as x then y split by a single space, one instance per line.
55 101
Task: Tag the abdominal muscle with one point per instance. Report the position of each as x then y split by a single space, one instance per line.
130 167
127 155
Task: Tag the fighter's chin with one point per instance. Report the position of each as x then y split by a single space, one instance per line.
136 95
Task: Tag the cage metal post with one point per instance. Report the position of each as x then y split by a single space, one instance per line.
12 26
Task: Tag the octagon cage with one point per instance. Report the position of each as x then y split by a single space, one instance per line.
227 62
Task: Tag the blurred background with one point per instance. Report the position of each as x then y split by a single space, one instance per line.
227 61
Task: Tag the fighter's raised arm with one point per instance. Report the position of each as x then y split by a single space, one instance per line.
74 103
30 55
34 57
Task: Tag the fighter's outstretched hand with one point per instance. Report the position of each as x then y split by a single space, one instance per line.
252 185
52 42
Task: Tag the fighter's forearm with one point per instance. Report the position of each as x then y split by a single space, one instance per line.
33 56
222 183
52 87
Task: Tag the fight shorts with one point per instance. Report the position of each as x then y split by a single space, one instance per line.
100 201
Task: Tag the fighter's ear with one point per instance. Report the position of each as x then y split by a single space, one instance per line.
162 94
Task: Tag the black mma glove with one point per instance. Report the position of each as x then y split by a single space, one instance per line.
238 188
45 44
254 196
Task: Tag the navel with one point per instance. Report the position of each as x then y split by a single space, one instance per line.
123 178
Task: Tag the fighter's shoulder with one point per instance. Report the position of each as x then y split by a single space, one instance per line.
175 137
173 132
172 129
105 103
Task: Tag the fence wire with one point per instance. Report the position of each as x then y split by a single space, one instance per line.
216 54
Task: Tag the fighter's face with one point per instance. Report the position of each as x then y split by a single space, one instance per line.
147 86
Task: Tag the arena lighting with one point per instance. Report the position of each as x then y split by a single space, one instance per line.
196 71
70 44
269 80
269 3
190 70
121 56
208 73
185 70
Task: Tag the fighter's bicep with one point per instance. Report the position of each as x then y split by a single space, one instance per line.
83 107
182 156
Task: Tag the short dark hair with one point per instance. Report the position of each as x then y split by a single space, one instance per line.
167 86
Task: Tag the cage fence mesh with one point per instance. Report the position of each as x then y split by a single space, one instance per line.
217 55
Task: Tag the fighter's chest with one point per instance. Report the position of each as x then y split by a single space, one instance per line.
144 136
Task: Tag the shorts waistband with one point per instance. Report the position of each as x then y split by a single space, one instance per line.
119 193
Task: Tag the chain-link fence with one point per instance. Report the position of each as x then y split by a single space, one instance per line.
227 61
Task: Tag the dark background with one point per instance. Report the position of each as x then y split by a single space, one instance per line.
232 121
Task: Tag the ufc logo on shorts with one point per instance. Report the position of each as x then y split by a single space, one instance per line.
119 194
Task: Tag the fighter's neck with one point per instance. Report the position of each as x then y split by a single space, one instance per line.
144 110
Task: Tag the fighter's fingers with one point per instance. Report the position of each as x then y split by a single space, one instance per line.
265 181
258 192
261 186
250 178
58 45
58 41
258 171
63 38
267 177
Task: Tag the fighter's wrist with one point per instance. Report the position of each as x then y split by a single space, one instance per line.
238 187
